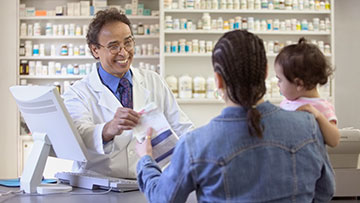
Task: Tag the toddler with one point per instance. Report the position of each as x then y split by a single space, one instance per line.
300 68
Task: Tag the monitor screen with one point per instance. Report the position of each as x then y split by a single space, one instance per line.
51 126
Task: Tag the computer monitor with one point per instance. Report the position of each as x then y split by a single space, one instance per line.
51 126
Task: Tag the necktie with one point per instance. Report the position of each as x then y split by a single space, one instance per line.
125 93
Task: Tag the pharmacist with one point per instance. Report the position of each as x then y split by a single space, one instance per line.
104 104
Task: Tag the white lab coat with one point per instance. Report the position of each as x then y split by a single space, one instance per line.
91 105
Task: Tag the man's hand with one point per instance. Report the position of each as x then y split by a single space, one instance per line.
124 119
145 147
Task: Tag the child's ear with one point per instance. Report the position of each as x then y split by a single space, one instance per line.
299 84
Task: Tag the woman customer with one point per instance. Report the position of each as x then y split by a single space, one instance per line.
252 152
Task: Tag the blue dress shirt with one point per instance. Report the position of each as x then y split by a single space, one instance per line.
112 82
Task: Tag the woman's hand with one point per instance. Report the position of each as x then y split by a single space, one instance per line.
145 147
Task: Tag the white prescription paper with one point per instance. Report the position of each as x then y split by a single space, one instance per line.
163 138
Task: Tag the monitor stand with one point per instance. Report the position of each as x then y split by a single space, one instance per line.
30 181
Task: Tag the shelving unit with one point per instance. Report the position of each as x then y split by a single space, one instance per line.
199 64
200 110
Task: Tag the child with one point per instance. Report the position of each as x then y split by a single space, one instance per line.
299 69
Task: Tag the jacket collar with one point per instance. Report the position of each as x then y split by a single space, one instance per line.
108 100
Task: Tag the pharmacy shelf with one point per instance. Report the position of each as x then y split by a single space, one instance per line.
327 12
77 57
255 32
55 57
83 17
83 37
51 77
209 55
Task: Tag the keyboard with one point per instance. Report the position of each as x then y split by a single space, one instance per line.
91 181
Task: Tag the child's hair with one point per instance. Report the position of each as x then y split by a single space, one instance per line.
239 57
306 62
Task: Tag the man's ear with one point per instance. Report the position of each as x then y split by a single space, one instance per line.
219 81
95 51
299 84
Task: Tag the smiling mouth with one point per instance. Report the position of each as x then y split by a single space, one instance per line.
122 62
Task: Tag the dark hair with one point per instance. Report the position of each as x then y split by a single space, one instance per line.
306 62
102 18
239 57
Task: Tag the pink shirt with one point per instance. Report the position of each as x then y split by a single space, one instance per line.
322 105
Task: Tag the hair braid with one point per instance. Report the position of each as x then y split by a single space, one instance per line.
239 57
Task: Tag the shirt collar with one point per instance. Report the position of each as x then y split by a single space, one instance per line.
110 81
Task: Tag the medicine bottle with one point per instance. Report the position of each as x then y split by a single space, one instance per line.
44 70
32 68
64 50
22 49
76 69
24 67
236 4
30 31
167 47
140 29
188 47
37 29
58 86
52 50
202 48
48 29
42 50
243 4
70 50
182 45
209 46
185 87
257 4
72 29
78 31
199 87
168 23
38 68
301 4
215 4
210 87
173 84
51 69
206 21
230 4
23 28
82 50
195 46
36 50
174 46
176 25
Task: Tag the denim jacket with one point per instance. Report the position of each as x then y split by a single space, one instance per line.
222 162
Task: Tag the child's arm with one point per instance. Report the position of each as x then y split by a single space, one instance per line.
329 129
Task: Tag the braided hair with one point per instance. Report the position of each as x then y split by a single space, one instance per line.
239 57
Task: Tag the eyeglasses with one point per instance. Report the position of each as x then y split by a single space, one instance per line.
116 48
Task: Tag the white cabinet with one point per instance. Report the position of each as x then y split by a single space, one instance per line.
276 27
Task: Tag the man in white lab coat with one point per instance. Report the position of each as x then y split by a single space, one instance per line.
104 110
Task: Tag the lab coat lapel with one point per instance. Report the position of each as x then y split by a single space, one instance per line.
106 98
140 93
